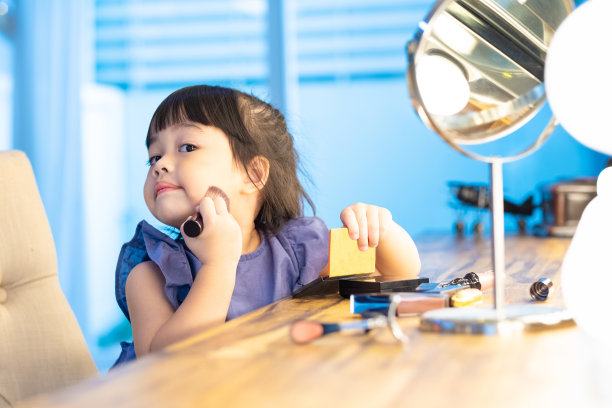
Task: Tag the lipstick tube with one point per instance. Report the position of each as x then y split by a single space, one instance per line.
410 303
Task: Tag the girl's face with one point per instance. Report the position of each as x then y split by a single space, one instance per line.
185 160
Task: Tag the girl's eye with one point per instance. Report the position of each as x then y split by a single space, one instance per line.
187 148
153 160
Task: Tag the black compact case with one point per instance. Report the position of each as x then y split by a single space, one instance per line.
324 285
378 284
359 283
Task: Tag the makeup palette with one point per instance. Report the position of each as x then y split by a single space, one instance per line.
351 270
378 284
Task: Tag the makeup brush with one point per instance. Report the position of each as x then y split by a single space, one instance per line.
305 331
193 225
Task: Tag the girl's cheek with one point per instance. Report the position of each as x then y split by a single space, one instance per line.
148 189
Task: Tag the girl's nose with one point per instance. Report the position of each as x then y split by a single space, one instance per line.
162 166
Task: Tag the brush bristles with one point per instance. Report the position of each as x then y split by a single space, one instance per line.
193 226
214 191
305 331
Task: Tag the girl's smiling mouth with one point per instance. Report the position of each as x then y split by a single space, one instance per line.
163 187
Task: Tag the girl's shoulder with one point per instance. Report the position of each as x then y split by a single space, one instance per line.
304 229
306 241
304 236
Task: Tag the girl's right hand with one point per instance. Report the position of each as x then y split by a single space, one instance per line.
220 242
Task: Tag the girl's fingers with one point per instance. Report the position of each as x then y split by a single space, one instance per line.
366 223
348 218
362 220
220 205
207 210
373 226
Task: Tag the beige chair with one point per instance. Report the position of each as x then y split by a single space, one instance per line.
42 347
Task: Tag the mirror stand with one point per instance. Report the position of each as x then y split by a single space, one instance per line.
476 75
501 318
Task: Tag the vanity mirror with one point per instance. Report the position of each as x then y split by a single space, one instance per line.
476 75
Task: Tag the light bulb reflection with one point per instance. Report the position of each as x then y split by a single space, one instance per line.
443 85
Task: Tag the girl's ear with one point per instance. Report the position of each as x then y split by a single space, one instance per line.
258 171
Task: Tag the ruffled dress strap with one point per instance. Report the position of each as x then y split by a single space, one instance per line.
132 253
176 262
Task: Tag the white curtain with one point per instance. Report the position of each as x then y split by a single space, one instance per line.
50 40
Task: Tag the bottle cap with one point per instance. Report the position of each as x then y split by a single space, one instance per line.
540 289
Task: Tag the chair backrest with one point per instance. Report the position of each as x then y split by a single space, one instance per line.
42 347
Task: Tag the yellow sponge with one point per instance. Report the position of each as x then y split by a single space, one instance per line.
345 258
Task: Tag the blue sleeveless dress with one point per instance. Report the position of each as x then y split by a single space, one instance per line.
281 264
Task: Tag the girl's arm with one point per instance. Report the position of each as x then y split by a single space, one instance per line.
372 226
155 324
397 254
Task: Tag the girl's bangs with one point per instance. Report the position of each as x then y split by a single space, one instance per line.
177 109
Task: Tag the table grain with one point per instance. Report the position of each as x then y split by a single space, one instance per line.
252 362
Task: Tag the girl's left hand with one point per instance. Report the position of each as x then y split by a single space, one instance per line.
366 223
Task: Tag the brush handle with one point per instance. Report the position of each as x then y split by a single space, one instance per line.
193 226
305 331
363 324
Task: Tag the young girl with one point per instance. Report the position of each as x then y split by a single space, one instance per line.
254 248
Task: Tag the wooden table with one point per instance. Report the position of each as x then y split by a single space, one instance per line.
252 362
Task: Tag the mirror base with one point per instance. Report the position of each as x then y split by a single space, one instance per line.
490 321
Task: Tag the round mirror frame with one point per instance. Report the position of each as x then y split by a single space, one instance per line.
533 99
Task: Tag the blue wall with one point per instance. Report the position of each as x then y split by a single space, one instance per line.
365 143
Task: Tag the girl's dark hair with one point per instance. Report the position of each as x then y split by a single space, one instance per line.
254 128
